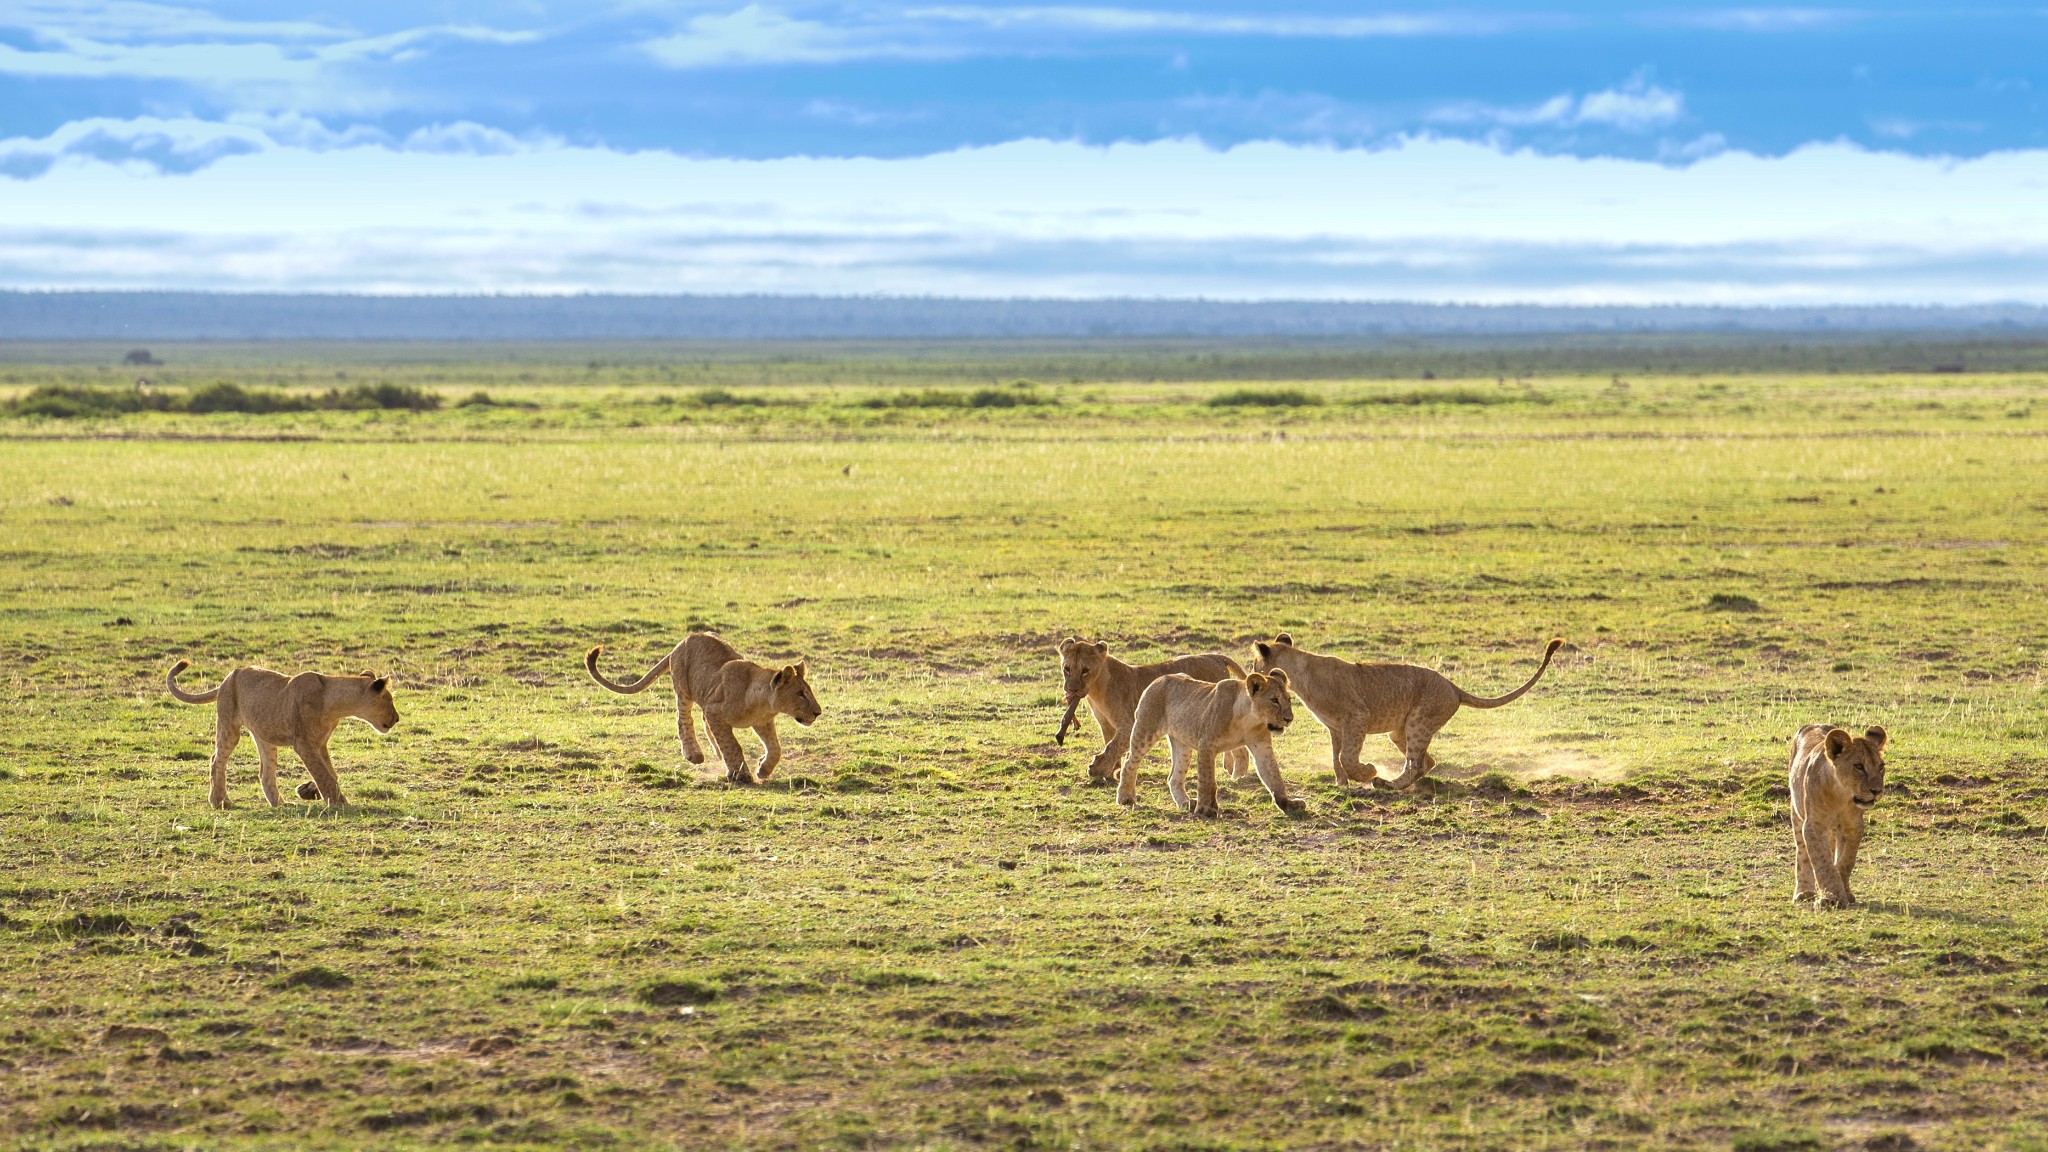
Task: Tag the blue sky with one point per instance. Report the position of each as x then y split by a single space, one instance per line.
1494 151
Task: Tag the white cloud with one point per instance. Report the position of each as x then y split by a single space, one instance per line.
1758 19
757 35
1142 20
1635 107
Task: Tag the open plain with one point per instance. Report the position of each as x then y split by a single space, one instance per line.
537 926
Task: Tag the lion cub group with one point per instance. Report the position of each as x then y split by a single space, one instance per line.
1206 706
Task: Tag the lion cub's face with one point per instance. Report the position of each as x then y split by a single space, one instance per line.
1080 663
1269 699
377 709
793 694
1859 763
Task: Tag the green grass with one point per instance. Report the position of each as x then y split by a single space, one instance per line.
538 927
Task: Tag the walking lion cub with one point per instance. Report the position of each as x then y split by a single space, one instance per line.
1354 700
734 692
1112 687
299 713
1835 778
1201 720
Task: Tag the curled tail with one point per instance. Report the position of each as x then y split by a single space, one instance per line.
1472 701
171 682
640 685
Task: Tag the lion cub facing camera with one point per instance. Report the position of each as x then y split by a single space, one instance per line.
1202 720
1836 777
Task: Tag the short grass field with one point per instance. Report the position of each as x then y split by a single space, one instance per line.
537 927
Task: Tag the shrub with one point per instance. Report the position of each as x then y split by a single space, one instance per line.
677 990
1416 397
1264 398
64 402
1730 602
388 396
224 397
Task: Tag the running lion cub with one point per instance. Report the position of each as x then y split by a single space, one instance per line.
1202 719
299 713
1835 777
1354 700
734 692
1112 688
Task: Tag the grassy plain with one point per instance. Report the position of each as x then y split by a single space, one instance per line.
538 927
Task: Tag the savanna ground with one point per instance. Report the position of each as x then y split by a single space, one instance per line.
536 926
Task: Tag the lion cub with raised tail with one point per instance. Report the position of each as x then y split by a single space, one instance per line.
1202 720
1112 687
1836 777
1354 700
299 713
734 692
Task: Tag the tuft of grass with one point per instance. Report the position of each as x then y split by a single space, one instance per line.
1732 602
677 990
1419 397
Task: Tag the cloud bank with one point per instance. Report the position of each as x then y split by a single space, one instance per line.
1428 220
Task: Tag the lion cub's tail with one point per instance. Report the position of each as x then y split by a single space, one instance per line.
640 685
171 682
1471 701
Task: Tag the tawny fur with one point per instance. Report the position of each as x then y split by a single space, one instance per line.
1112 689
1355 700
1200 720
1835 778
733 692
299 713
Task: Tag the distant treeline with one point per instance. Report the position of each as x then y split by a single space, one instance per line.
171 316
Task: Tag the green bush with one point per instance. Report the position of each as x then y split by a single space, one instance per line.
1264 398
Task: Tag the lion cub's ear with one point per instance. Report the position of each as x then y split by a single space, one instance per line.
1837 741
1278 676
1265 650
802 668
378 684
784 675
1063 645
1876 735
1284 638
1255 683
1101 647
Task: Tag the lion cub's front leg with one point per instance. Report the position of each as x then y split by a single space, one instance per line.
1114 744
736 770
771 748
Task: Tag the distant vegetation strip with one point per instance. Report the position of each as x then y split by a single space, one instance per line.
70 401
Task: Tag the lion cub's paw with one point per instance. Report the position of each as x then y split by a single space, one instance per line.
1294 807
1205 812
309 791
697 758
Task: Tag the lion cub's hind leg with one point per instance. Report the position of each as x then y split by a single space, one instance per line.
1413 741
227 732
1240 761
686 730
266 769
1177 779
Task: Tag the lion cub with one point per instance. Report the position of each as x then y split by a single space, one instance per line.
301 713
1354 700
1202 719
1835 777
734 692
1112 688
